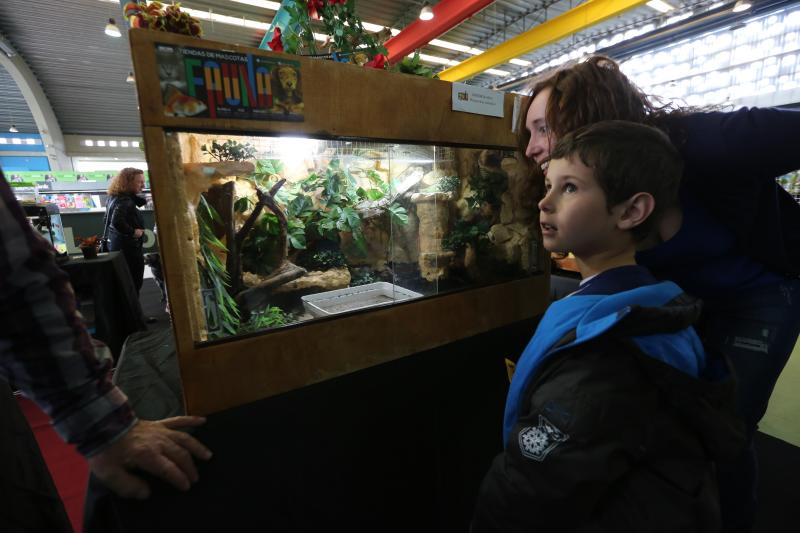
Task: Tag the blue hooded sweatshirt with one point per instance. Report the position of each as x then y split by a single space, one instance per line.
601 303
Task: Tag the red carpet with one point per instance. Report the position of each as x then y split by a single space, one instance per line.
68 468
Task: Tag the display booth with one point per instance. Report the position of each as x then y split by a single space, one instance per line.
318 218
348 261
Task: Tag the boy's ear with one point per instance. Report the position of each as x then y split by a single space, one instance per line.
635 210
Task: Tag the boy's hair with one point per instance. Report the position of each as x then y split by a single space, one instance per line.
627 158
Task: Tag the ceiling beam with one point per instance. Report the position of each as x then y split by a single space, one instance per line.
447 14
588 14
39 105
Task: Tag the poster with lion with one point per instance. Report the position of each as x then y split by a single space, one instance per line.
198 82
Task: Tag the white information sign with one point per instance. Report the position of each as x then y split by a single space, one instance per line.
472 99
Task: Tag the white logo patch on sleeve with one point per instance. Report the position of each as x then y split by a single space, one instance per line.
536 442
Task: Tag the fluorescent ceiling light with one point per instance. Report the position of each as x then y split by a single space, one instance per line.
225 19
520 62
274 6
742 5
450 46
374 28
30 141
660 6
497 72
464 49
435 59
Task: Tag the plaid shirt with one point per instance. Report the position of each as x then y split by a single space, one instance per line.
45 350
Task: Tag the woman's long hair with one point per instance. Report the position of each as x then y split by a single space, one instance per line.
122 183
591 91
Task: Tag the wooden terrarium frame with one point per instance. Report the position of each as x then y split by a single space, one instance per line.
340 102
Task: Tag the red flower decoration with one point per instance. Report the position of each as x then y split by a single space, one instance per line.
379 62
276 44
313 8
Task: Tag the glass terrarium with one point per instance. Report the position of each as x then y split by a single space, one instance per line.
295 229
372 219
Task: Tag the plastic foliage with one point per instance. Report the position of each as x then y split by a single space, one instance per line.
362 278
213 275
230 150
325 260
321 206
156 16
413 65
449 184
345 30
487 186
467 233
445 184
269 317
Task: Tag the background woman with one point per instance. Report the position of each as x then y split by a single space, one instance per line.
733 241
125 222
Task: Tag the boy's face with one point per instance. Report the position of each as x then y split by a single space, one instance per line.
574 217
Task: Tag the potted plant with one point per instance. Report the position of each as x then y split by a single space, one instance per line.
88 246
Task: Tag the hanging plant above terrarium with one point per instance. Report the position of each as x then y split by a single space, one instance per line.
347 41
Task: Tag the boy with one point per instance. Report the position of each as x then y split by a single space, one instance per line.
611 421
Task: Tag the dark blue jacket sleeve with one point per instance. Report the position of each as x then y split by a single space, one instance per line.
731 162
754 142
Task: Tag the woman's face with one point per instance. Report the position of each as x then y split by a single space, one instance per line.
541 138
138 184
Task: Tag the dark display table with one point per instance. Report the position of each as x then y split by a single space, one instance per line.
107 298
398 447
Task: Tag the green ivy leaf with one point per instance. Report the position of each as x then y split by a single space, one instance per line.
352 218
398 214
241 205
298 241
375 194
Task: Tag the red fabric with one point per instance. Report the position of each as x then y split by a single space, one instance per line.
276 45
379 61
68 468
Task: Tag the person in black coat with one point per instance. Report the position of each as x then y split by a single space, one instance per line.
125 221
733 240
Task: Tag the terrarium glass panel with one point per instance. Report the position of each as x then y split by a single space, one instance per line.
295 229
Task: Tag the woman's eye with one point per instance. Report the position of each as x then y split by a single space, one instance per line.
547 187
542 130
569 187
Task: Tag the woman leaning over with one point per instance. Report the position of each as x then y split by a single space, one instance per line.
734 240
125 222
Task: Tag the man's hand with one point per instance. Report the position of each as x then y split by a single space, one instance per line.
137 233
156 448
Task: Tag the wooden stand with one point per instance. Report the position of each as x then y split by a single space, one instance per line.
340 101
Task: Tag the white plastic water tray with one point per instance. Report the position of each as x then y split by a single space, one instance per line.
354 298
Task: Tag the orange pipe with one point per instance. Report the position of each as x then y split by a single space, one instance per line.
446 14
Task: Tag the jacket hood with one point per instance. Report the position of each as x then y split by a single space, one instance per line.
706 403
656 316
